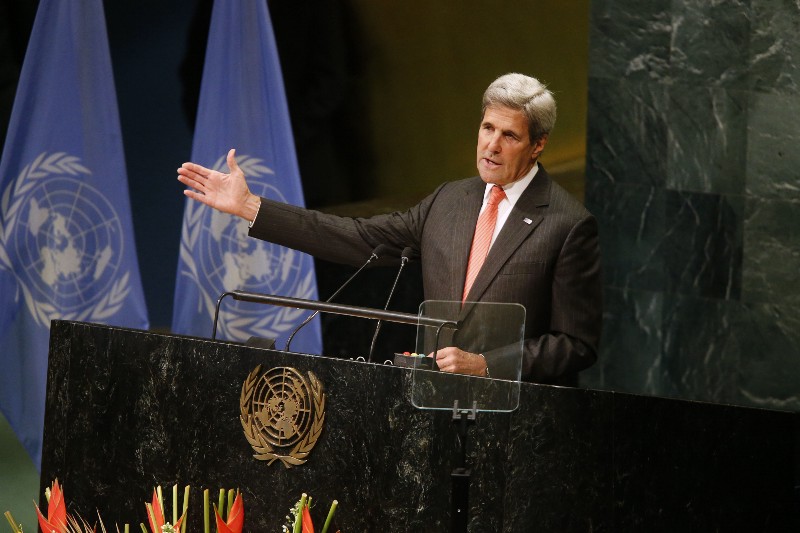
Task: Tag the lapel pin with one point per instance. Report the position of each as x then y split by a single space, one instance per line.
527 220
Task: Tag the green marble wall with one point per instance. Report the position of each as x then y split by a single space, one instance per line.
693 171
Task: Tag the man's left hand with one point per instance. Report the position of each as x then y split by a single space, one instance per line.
452 359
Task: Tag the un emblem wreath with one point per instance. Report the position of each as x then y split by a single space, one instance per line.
282 414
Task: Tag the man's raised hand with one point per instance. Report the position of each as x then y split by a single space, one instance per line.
228 193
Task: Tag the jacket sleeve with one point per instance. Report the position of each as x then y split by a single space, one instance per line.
340 239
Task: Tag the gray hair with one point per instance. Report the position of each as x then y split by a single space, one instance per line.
526 94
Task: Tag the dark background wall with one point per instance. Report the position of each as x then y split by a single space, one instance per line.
692 170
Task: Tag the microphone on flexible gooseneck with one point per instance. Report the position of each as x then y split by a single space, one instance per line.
405 257
379 250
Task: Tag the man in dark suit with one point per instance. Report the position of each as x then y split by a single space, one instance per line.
511 235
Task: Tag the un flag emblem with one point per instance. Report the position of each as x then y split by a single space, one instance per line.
62 240
218 256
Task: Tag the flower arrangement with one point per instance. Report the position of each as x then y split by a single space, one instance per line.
299 517
228 514
57 521
56 510
156 512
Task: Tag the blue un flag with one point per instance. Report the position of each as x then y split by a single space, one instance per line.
243 106
66 242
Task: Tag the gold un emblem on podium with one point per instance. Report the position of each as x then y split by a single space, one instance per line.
282 414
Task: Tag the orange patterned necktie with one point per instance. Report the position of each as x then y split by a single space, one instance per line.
484 230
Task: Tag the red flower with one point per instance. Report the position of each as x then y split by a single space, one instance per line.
308 525
56 512
156 519
235 521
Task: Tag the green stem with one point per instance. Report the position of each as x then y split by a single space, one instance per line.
330 516
14 527
230 504
206 528
298 521
160 502
174 504
221 503
152 516
185 508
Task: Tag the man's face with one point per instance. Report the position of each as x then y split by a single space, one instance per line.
505 153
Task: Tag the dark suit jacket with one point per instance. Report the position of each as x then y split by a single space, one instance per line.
546 258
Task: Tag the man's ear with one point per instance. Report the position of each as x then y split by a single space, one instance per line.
538 146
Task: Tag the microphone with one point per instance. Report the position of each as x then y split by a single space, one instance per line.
405 257
379 250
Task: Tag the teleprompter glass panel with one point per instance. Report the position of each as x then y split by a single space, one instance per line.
494 330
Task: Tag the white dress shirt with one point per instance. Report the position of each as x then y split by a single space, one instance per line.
513 192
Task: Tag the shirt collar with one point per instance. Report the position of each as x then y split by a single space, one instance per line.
515 189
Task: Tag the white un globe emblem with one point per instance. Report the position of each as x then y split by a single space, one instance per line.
63 242
66 243
218 256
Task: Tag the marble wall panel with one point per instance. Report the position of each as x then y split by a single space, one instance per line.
627 132
773 158
771 244
703 244
631 359
709 42
702 348
693 173
769 365
632 227
707 139
774 59
630 39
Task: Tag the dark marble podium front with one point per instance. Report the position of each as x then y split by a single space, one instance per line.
128 410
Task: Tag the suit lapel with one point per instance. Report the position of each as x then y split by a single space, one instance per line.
463 229
521 222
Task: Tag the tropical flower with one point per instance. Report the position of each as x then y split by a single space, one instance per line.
56 520
235 521
300 517
155 515
308 525
59 521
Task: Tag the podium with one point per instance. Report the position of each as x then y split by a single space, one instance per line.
127 410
